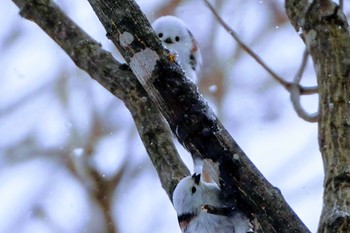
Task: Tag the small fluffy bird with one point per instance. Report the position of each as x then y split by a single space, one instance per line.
200 209
176 37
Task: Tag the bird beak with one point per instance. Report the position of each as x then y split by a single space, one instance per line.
168 40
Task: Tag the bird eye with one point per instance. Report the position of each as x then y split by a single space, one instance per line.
177 38
193 189
160 35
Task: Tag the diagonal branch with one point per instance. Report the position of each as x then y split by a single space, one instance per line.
287 85
101 66
294 88
191 119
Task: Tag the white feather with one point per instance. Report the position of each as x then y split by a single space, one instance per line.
176 37
189 198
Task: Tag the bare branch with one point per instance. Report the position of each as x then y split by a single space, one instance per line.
295 93
89 56
191 119
298 76
295 99
294 90
287 85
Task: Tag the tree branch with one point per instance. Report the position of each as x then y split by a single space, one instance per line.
299 75
101 66
294 88
296 102
295 93
190 118
287 85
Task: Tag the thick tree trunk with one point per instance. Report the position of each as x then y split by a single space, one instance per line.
326 33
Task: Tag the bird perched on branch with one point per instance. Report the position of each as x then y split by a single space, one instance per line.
176 37
200 209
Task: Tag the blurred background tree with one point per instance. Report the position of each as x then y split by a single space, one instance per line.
71 158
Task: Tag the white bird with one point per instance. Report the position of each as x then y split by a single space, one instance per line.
176 37
200 209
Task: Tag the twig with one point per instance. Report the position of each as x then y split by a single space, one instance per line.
287 85
295 92
191 119
298 76
294 88
100 65
295 99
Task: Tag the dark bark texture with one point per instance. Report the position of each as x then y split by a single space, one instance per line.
325 31
326 35
88 55
190 118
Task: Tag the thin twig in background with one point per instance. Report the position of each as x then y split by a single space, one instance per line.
295 92
100 65
295 99
341 4
287 85
167 9
298 76
294 88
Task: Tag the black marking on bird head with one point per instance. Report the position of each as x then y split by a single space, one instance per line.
196 177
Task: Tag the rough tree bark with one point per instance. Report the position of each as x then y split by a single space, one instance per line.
101 66
198 128
190 118
326 35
